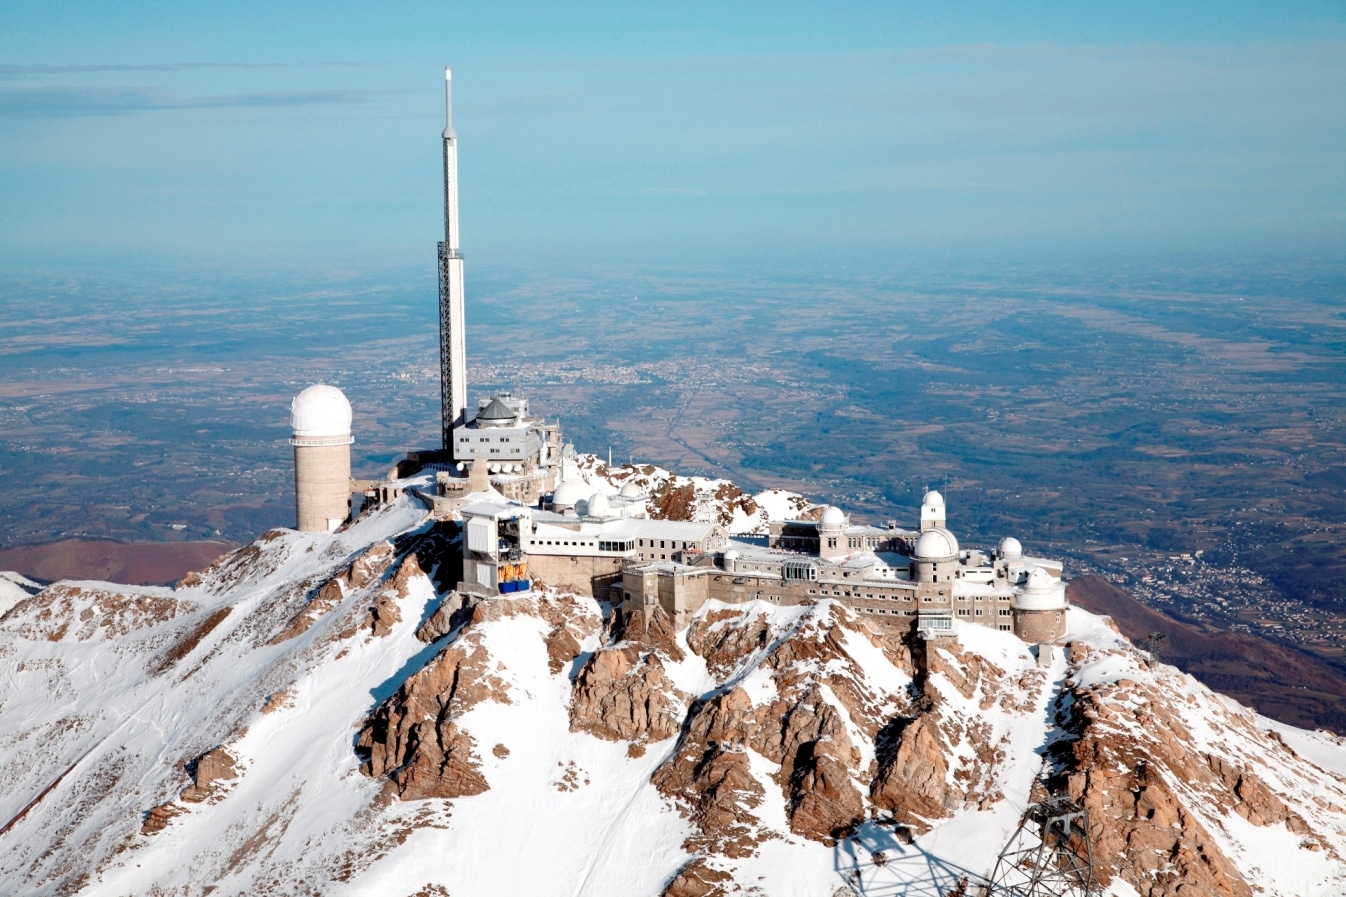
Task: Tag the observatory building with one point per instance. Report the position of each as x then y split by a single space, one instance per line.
320 424
895 579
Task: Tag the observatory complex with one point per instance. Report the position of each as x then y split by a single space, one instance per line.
528 517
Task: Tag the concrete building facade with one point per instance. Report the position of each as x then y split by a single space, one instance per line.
896 580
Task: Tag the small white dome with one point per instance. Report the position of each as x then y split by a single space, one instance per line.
932 498
832 516
598 505
569 494
936 544
320 411
1041 591
631 490
730 555
1010 549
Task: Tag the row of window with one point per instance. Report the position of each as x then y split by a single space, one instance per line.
483 439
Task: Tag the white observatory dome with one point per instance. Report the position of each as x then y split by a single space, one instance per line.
832 516
1041 591
569 494
932 498
320 411
730 556
598 505
631 490
936 544
1010 549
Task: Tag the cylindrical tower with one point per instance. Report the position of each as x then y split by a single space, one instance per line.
936 556
1040 608
320 418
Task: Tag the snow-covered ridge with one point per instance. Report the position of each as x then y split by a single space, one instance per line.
674 497
314 715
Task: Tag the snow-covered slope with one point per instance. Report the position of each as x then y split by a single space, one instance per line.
313 716
672 496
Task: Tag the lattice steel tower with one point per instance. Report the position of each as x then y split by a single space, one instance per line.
452 326
1049 855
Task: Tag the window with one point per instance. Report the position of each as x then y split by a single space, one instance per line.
979 611
1005 612
962 611
1005 627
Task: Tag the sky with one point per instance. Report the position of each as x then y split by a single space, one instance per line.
259 136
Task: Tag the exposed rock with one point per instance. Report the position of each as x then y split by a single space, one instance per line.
364 570
84 614
698 879
157 819
413 738
622 693
384 614
718 792
914 785
190 640
214 766
651 628
562 647
281 700
440 623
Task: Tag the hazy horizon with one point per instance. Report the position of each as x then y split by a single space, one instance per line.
258 138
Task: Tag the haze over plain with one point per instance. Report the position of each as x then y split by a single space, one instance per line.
1084 267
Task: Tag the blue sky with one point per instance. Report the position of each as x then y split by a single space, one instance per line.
254 136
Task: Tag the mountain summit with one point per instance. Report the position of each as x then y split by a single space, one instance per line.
318 713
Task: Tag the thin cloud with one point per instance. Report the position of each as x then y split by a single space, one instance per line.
16 71
68 102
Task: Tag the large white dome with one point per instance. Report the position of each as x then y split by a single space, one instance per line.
833 516
932 498
320 411
631 490
936 545
569 494
1011 549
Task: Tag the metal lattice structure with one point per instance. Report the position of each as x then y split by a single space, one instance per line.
1049 855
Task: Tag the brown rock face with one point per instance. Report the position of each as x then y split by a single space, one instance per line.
1138 769
364 570
913 785
622 692
799 729
384 614
214 766
157 819
413 739
440 623
697 879
1142 832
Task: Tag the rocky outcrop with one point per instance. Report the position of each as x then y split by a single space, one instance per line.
699 879
384 613
623 693
1154 790
913 783
208 771
413 738
76 612
364 570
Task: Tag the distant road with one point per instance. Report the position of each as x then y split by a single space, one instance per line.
138 563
